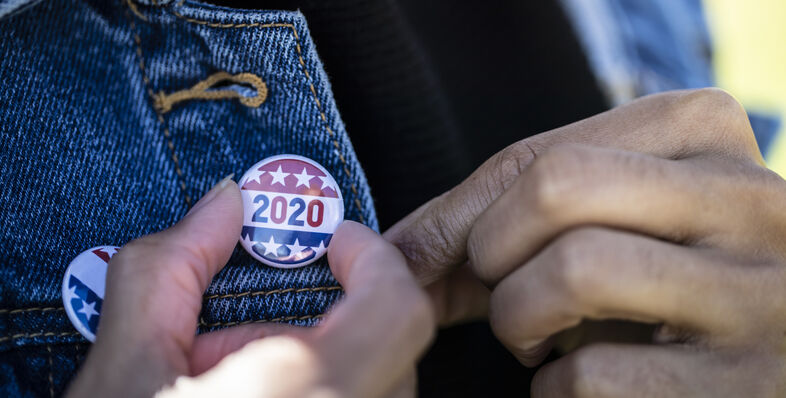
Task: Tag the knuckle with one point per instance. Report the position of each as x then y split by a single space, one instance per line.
444 234
718 100
511 161
501 319
591 367
574 266
731 112
717 119
440 241
477 246
554 177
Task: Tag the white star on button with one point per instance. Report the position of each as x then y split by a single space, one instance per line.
303 178
254 177
296 248
320 248
278 177
326 182
69 294
88 309
271 246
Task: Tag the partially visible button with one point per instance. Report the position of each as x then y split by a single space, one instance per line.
291 207
83 288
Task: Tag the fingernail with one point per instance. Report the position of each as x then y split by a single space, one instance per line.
210 195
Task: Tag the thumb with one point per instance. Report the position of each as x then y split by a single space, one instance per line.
154 289
434 237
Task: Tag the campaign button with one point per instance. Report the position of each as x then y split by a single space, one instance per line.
83 288
291 207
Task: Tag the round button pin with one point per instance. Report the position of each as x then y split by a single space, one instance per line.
291 207
83 288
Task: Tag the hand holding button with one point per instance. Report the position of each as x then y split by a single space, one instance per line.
146 343
366 347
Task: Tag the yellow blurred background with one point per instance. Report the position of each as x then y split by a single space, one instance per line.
750 59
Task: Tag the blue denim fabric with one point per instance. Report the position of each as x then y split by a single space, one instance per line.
640 47
87 160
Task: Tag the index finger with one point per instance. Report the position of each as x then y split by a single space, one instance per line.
376 334
672 125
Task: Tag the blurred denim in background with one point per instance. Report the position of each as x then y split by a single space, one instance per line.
639 47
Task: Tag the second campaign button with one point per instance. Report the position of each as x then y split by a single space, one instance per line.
83 288
291 207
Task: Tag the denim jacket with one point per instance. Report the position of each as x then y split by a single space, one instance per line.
115 117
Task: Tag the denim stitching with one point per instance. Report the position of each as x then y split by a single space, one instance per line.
202 322
211 297
51 382
279 319
32 309
308 79
135 10
160 117
32 335
276 291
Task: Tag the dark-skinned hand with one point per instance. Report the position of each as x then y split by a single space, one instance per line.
659 212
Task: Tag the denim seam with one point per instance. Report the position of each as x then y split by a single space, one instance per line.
309 80
211 297
41 334
276 291
202 322
51 382
32 309
169 142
